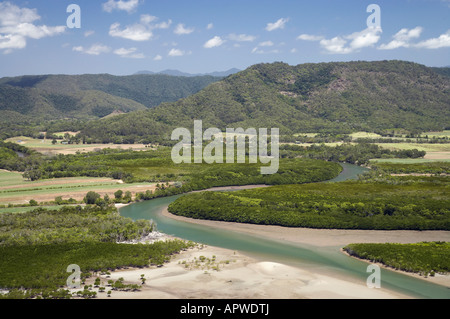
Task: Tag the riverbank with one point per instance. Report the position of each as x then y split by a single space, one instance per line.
336 238
233 275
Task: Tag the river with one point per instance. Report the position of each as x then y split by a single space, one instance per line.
325 259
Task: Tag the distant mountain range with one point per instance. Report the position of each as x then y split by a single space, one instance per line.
90 96
180 73
325 97
321 97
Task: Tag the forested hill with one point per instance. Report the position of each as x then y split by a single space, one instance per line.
90 96
344 97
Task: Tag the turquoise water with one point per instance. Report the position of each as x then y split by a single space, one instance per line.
327 259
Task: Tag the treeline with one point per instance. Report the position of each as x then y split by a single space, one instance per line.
15 157
346 205
422 140
427 258
350 153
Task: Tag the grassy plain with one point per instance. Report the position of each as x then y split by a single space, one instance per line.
45 146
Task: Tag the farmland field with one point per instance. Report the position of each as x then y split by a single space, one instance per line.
15 190
46 146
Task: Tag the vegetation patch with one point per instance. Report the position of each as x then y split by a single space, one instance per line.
344 205
426 258
38 246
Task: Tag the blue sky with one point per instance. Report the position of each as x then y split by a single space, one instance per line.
198 36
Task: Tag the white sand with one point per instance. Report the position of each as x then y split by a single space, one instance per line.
242 278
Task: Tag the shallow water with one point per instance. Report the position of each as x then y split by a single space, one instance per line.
326 259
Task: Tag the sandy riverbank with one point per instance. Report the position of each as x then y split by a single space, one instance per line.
228 274
238 277
329 237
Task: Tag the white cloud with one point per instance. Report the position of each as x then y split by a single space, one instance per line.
277 25
257 50
241 37
181 29
210 26
266 44
141 31
214 42
128 6
308 37
402 39
135 32
443 41
157 58
88 33
163 25
176 52
129 53
353 42
17 24
95 49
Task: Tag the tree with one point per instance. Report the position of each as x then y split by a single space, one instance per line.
33 202
118 194
32 174
91 197
127 196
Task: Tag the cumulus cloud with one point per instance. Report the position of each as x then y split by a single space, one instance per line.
128 6
157 58
95 49
209 26
141 31
176 52
402 39
309 37
257 50
443 41
17 25
266 44
279 24
241 37
353 42
129 53
214 42
181 29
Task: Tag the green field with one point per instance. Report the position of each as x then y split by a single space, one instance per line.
407 160
420 147
438 134
46 145
364 135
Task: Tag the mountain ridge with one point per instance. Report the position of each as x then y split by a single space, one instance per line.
90 96
314 97
173 72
